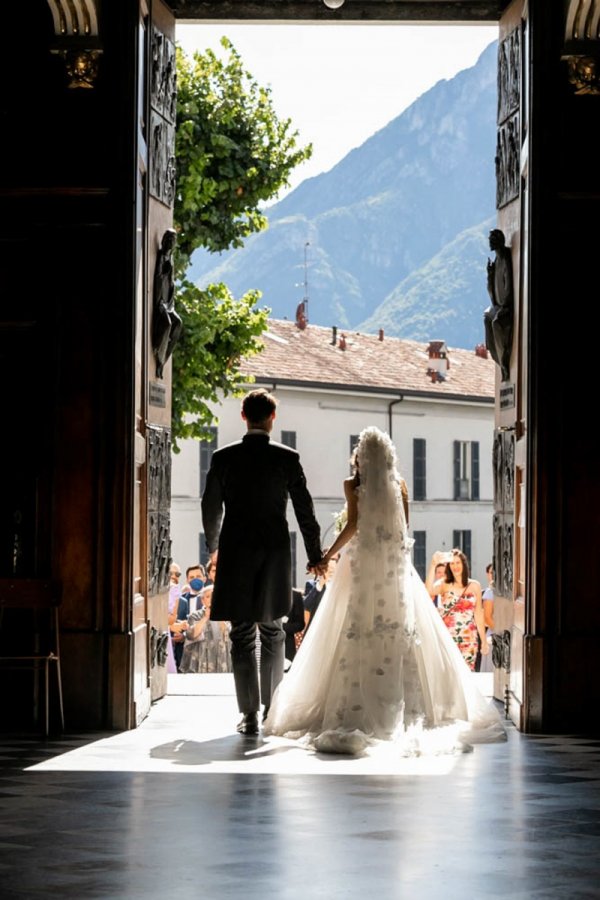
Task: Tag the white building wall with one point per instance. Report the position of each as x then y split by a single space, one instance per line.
323 422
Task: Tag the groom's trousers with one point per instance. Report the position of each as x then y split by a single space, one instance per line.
245 668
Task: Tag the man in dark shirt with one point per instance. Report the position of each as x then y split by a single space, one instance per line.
315 595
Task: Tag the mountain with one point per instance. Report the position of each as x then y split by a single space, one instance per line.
383 213
443 299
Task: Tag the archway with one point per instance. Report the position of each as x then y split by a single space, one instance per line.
83 491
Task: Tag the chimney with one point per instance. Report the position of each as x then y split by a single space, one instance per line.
381 334
481 350
438 361
301 318
333 335
342 342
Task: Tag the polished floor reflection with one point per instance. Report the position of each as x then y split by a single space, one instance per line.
184 808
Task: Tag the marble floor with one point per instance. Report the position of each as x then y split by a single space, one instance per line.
182 808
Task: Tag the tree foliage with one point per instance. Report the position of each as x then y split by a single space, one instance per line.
209 351
232 154
232 150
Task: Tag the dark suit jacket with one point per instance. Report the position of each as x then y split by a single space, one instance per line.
252 480
183 605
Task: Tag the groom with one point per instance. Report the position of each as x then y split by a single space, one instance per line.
252 479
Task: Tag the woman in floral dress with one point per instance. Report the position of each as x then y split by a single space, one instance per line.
460 604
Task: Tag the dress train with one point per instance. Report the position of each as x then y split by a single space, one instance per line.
378 664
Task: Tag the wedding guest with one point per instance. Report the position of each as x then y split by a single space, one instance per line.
315 595
207 647
188 603
211 570
195 571
174 593
440 571
488 616
460 605
293 624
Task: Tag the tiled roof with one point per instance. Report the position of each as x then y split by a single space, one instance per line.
292 355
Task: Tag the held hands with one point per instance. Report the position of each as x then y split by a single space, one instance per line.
320 567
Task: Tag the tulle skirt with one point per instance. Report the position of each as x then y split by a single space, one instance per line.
379 665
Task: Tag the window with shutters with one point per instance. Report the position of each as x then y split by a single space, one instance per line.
461 540
420 553
419 469
466 470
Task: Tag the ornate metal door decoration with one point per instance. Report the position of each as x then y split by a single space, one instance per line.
508 145
166 323
504 511
159 505
163 96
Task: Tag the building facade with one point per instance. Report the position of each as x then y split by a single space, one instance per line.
442 428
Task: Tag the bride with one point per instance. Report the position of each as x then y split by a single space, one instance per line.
378 664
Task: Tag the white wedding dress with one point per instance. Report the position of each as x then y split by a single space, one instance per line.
378 663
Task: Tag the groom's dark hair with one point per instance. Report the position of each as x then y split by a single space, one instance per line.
258 406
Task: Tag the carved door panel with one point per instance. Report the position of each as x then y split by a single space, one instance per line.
140 692
155 183
161 192
510 445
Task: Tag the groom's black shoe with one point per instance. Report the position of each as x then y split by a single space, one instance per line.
248 724
265 713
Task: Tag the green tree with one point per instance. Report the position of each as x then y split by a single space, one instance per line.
232 153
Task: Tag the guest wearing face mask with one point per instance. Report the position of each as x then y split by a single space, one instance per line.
207 648
189 601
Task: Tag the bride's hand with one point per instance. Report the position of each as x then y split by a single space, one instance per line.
321 567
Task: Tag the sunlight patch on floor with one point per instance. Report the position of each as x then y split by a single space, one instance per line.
193 730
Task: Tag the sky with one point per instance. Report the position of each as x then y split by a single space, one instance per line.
341 84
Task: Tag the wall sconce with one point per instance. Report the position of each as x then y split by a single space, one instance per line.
77 39
333 4
582 45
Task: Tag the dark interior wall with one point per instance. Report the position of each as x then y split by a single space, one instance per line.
67 167
564 473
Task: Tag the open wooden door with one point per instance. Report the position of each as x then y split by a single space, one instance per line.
154 203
